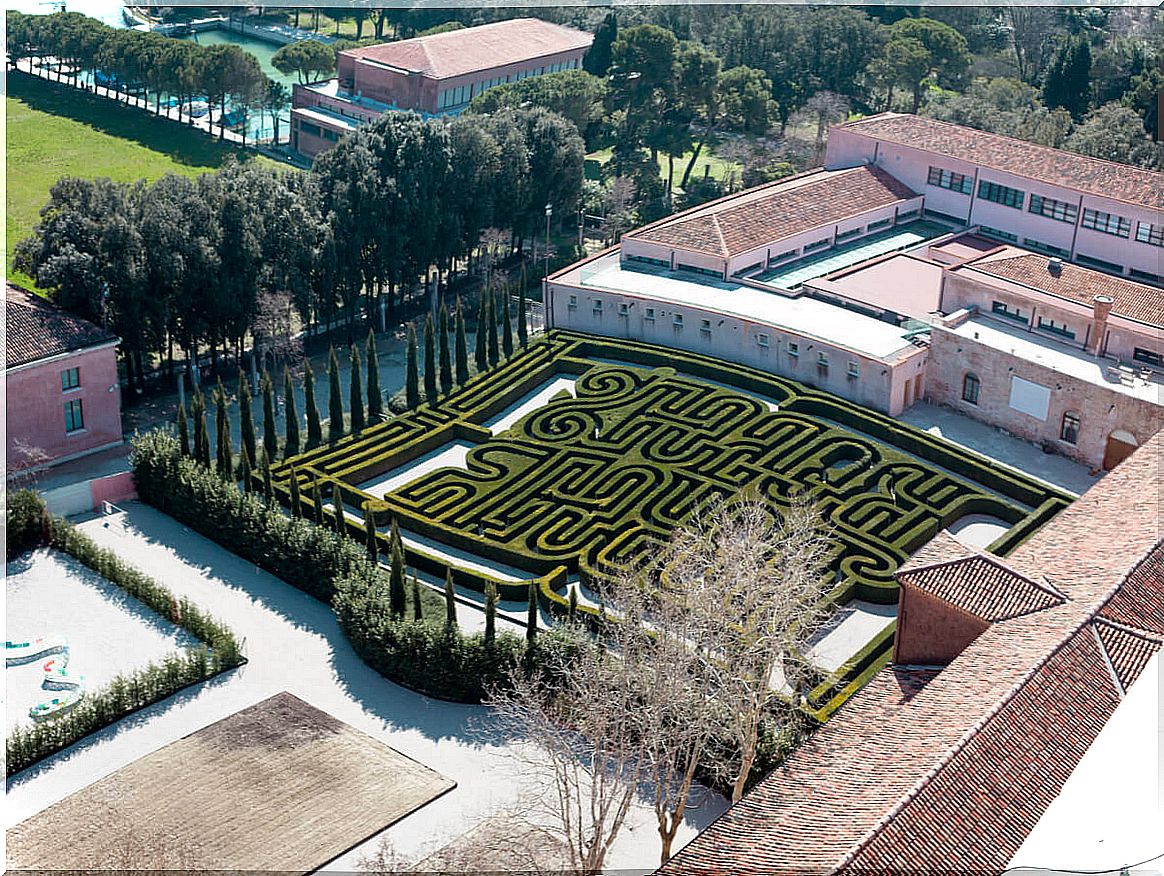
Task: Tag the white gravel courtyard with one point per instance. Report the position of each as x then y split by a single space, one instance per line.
294 643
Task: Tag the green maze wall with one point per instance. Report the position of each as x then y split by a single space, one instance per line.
591 483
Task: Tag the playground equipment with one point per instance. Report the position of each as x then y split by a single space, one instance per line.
57 677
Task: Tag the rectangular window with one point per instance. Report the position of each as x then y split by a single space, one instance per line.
74 417
708 272
794 349
308 128
1107 223
910 215
779 257
947 179
1001 194
623 309
596 304
1137 274
881 223
762 340
1001 235
1148 357
822 358
817 244
70 379
852 232
1148 233
1060 211
1103 265
1060 329
854 369
646 260
677 320
1002 309
573 305
1069 431
649 315
1046 247
705 329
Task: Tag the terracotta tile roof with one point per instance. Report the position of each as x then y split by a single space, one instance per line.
37 330
954 773
1137 301
771 212
981 585
942 548
1139 602
474 49
1129 650
1094 176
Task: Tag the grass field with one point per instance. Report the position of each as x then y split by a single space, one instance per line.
708 162
56 131
277 787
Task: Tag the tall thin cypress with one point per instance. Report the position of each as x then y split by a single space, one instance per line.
462 347
490 613
314 428
202 434
417 609
222 424
335 402
522 328
446 362
337 516
268 481
296 498
245 470
291 417
491 319
396 597
531 621
317 501
375 399
246 418
183 430
370 536
481 358
450 601
430 371
270 426
356 393
573 611
411 372
506 327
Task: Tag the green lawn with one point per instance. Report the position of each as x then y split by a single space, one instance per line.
708 162
56 131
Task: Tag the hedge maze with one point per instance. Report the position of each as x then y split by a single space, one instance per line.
591 483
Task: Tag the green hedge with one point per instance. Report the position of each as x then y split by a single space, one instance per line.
219 652
27 523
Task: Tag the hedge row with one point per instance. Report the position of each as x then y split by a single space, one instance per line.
219 652
27 523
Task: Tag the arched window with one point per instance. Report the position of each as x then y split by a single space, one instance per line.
1069 431
970 385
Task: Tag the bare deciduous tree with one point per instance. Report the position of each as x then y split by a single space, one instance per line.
823 109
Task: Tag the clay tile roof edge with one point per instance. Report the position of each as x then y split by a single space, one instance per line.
1046 586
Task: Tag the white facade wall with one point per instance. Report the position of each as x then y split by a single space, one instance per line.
889 387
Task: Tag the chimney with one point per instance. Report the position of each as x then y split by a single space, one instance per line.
1101 309
1054 266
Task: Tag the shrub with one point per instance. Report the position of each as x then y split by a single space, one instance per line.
27 522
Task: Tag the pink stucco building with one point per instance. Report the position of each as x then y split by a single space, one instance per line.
60 377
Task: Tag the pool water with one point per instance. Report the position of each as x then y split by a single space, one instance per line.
795 273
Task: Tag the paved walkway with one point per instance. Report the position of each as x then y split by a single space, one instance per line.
295 644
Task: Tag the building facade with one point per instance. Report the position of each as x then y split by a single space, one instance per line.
430 75
63 397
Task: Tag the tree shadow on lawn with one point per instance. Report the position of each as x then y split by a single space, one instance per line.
181 142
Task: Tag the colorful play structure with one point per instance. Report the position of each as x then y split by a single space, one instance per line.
69 688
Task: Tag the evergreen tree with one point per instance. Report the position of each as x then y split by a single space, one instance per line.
296 498
417 610
222 424
337 517
317 501
356 394
246 419
522 328
430 371
291 439
335 403
203 434
490 613
1068 82
314 428
370 533
396 597
198 408
531 621
245 470
446 363
462 348
598 58
491 320
412 375
573 611
375 399
481 357
270 426
183 430
506 327
450 601
268 482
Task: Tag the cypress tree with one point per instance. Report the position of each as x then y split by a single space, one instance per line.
506 327
396 598
314 429
446 362
337 517
270 435
291 438
375 399
450 601
296 499
490 613
317 501
417 611
412 375
356 394
462 347
573 612
222 423
522 328
183 430
531 621
370 533
430 371
491 319
246 419
481 357
268 483
245 470
335 404
202 434
198 409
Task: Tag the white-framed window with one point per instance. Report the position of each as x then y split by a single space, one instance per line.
596 305
794 349
1107 223
822 358
677 320
762 340
854 369
948 179
705 329
623 309
573 302
1061 211
649 314
1146 232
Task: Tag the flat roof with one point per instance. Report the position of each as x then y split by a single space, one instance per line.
774 211
801 315
902 283
1071 361
324 117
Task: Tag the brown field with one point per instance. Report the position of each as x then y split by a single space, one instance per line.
279 786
